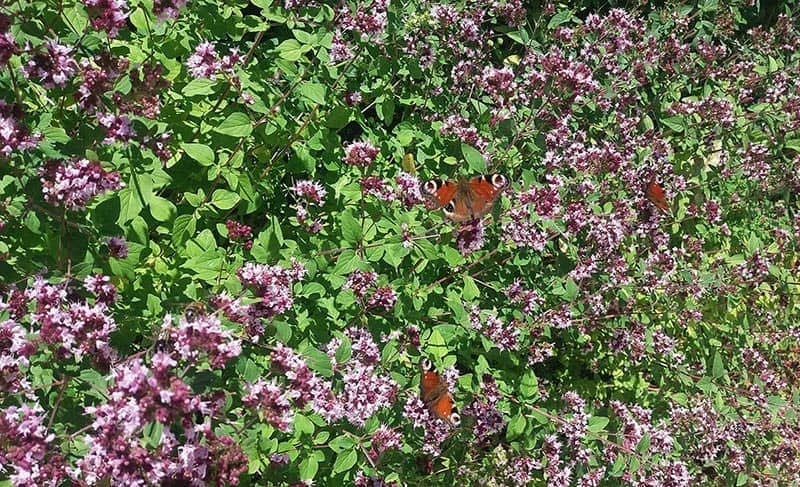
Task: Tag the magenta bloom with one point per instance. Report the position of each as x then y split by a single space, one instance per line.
205 62
108 15
311 190
52 68
118 127
13 134
167 9
469 237
117 247
73 185
360 154
8 47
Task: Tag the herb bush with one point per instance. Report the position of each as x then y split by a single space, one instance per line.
219 265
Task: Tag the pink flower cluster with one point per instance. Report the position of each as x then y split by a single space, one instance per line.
363 283
108 15
360 154
186 451
202 336
75 328
206 63
13 134
52 68
504 337
73 184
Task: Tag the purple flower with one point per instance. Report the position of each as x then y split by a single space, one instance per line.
273 402
352 98
118 127
53 68
530 300
408 189
311 190
469 237
205 62
360 154
340 49
360 282
376 186
8 47
73 185
273 285
203 336
117 247
28 447
15 348
101 286
504 337
383 439
713 212
96 81
13 134
363 346
365 392
239 231
167 9
108 15
75 328
383 297
306 386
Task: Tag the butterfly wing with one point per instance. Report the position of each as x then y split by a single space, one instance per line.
483 192
467 199
655 193
436 397
439 192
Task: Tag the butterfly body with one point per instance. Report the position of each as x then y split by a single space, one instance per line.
465 199
655 193
435 394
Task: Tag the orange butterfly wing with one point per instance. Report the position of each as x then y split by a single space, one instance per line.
655 193
440 192
434 393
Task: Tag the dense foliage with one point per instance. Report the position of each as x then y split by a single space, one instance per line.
219 264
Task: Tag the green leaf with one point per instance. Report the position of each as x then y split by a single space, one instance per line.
129 205
346 263
224 199
561 17
717 367
345 350
183 229
162 209
308 467
303 425
474 158
516 427
314 92
199 86
351 228
291 50
643 444
529 385
596 424
345 461
675 123
200 153
342 443
236 125
471 290
385 110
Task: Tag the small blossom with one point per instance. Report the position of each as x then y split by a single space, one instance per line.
117 247
53 68
360 282
108 15
118 127
408 189
469 237
205 62
13 134
167 9
273 402
8 47
376 186
360 154
383 297
311 190
74 184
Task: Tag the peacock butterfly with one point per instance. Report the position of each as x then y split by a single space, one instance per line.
435 394
465 199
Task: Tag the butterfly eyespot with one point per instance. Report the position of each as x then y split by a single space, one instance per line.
449 207
455 419
430 187
426 364
499 181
